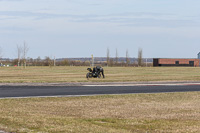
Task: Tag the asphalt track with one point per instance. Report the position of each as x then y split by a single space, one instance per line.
67 91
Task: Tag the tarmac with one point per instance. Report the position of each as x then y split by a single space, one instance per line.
149 83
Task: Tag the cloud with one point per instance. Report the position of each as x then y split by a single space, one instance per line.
35 14
11 0
15 28
122 19
141 19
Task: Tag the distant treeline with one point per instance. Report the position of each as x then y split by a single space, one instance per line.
101 61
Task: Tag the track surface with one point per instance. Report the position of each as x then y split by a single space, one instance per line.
44 91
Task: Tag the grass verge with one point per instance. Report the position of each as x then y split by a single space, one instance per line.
164 112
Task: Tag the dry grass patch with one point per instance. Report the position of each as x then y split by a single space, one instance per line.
170 112
113 74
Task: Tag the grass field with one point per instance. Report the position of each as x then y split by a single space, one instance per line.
113 74
169 112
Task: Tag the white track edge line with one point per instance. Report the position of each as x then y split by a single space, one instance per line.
183 84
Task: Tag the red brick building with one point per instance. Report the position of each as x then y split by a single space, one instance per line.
176 62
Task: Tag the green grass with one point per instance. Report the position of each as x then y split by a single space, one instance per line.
113 74
169 112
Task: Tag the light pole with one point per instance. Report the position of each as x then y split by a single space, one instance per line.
146 62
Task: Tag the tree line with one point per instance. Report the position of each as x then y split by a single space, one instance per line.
23 61
115 61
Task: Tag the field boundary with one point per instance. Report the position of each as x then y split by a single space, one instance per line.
151 83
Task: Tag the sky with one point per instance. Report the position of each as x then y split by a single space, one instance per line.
80 28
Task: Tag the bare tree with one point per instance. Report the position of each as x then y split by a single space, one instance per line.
65 62
19 54
48 61
116 57
140 60
111 62
25 51
108 56
1 54
127 58
38 61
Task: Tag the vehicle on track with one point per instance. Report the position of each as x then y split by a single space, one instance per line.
97 72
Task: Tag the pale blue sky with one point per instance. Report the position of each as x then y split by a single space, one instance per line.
79 28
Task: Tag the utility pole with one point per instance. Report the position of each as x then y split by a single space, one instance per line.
54 61
25 51
19 52
92 60
116 57
108 56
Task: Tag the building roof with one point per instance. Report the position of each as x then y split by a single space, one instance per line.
178 58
